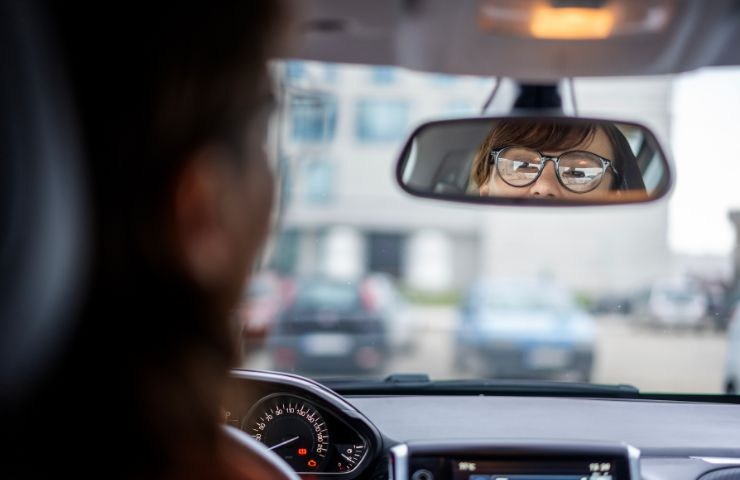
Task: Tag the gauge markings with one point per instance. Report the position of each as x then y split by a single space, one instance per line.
293 428
351 453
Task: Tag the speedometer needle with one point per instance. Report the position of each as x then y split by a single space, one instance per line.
290 440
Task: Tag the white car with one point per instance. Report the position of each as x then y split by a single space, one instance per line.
676 303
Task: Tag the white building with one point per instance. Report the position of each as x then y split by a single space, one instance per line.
343 130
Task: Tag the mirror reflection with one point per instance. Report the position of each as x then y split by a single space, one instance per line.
552 159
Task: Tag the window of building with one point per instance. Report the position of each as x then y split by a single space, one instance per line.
443 80
318 175
381 120
459 108
313 118
383 75
331 73
295 70
384 252
285 256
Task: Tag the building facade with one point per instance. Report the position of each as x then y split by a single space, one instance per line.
341 130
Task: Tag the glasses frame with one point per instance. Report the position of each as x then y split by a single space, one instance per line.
605 164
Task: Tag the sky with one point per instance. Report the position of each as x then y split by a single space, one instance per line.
706 150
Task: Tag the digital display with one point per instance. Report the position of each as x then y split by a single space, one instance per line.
539 470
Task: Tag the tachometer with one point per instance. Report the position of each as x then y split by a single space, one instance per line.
293 428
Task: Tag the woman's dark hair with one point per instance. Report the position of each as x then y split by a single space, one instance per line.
544 135
139 382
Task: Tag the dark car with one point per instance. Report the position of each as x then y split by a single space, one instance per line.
330 326
611 304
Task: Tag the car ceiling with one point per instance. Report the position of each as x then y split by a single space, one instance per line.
444 36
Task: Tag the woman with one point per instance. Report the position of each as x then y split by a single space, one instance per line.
556 159
173 102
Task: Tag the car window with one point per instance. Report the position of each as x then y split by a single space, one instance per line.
523 296
641 295
327 296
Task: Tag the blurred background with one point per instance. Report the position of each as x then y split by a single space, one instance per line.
363 280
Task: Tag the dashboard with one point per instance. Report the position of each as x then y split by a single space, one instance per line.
322 434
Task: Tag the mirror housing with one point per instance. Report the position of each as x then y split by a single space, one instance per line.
506 161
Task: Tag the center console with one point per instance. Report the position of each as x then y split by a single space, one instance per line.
520 460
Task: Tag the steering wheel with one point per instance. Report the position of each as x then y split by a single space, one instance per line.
252 459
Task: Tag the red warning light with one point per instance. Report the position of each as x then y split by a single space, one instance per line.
302 451
312 463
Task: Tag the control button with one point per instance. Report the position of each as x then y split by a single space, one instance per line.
422 475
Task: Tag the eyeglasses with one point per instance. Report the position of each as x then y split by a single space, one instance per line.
577 171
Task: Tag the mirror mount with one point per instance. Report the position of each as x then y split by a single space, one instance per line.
538 97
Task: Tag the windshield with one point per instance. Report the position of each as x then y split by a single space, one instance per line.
383 283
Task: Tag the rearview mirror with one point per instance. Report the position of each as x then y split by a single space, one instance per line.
534 160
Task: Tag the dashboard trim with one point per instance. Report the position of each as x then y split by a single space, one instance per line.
719 460
398 467
633 459
299 382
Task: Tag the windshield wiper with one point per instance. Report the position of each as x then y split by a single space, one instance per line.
413 384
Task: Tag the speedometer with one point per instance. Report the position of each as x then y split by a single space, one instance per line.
291 427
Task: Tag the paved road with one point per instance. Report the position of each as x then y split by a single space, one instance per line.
650 360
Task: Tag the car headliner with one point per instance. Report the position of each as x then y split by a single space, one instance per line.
443 36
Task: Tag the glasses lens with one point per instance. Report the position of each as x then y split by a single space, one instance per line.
580 171
518 166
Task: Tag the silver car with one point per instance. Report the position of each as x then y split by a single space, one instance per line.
674 303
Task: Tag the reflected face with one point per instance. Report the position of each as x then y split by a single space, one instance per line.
547 184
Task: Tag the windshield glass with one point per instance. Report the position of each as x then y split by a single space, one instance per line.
366 281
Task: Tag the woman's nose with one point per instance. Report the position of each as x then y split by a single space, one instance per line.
547 185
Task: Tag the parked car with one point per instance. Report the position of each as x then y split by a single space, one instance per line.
716 294
673 303
732 365
524 329
330 326
611 304
724 311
